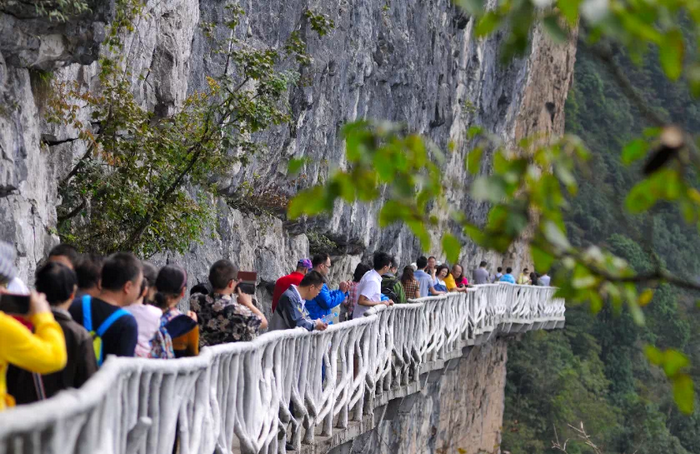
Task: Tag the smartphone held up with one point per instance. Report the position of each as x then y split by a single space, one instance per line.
14 304
247 279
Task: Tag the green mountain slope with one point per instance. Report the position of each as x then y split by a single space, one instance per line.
595 371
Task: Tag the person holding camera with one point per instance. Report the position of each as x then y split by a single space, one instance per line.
59 283
42 352
226 314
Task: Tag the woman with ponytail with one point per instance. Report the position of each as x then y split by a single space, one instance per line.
171 285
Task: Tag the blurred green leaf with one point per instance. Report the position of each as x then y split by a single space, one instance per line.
488 188
295 165
569 9
674 361
474 160
646 297
654 355
640 198
694 79
451 247
473 7
309 202
554 30
487 24
555 236
634 150
684 393
543 260
473 132
672 54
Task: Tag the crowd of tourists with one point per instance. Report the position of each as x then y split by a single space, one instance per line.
86 307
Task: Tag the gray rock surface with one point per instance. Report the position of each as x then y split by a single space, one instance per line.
460 410
413 61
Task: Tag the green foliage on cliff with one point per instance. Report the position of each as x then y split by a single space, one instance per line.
596 370
146 180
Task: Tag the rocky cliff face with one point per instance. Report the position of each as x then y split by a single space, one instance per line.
460 410
413 61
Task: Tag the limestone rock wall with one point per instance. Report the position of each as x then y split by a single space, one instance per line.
459 411
413 61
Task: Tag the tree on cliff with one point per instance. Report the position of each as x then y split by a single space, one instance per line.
146 180
530 187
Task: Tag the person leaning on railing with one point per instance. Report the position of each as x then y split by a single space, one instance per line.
43 351
370 288
291 311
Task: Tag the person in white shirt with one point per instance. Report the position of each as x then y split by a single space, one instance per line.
147 316
369 289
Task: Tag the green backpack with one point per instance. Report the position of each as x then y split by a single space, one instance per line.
101 330
392 288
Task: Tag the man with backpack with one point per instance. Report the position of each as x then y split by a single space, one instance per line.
114 330
391 286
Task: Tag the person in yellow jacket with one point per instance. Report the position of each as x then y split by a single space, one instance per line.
524 278
43 351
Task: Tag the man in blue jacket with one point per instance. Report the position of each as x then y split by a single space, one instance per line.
328 299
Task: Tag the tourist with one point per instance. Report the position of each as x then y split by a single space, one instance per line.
105 314
327 300
534 277
440 274
59 284
499 274
283 283
171 286
391 286
432 265
370 288
291 311
544 279
459 277
66 254
411 287
43 351
351 300
89 271
226 314
481 274
147 316
508 277
425 281
455 280
524 278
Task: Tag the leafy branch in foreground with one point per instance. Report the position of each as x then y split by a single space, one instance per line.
531 185
145 182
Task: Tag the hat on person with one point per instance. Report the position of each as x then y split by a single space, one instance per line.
7 262
306 263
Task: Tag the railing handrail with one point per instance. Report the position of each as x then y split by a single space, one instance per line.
256 390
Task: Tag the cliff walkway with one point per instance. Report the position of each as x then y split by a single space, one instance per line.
287 391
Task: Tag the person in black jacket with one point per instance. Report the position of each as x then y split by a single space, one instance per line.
59 284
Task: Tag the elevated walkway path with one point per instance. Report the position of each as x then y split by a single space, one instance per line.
287 391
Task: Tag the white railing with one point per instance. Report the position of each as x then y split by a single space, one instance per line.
257 397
